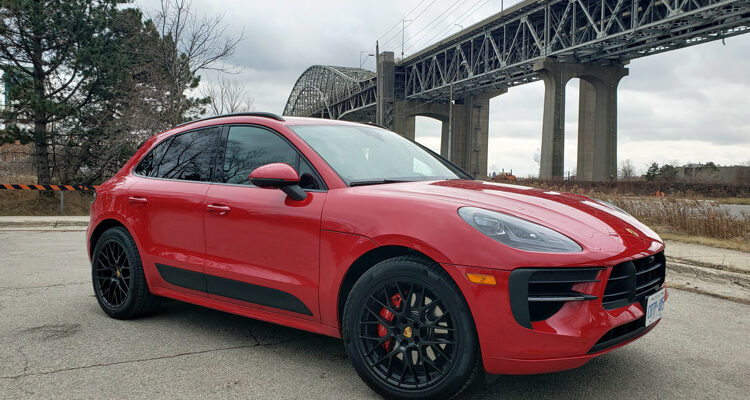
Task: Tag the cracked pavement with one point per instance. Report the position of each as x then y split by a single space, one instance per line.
55 342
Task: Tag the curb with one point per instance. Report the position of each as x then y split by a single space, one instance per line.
711 274
713 282
44 225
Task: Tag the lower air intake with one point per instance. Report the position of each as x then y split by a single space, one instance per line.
539 293
619 334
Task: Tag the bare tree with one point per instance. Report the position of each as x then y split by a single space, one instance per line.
627 170
190 44
226 96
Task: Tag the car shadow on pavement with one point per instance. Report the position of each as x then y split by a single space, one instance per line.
225 327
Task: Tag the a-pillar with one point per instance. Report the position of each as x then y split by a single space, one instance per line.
597 122
555 76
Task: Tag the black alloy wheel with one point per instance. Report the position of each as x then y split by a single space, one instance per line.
409 332
117 276
407 335
112 274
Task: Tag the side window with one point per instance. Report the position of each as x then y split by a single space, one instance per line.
186 156
148 165
307 179
249 147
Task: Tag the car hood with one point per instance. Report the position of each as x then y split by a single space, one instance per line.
593 225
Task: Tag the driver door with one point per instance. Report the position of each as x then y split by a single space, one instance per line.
261 246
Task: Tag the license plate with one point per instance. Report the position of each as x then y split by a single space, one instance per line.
654 307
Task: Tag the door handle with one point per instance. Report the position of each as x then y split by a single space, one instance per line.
137 200
217 209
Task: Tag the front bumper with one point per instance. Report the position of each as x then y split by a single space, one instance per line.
577 332
518 366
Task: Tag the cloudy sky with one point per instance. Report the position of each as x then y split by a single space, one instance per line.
689 105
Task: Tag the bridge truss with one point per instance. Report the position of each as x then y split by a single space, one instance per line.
500 51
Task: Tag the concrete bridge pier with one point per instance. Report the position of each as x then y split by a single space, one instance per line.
404 121
470 131
469 144
597 124
386 85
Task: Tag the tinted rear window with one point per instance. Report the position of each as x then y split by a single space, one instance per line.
187 156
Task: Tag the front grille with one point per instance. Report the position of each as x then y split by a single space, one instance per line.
649 273
631 281
619 334
538 293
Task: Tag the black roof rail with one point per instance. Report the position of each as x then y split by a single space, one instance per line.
240 114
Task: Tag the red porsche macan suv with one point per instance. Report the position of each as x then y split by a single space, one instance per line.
352 231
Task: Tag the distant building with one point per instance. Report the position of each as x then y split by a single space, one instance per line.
714 173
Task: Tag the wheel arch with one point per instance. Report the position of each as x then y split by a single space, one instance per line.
368 260
102 227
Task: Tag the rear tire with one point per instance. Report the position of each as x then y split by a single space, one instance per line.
117 276
409 332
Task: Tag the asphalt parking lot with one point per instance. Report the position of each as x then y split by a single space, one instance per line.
56 343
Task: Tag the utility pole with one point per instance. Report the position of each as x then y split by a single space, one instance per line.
403 29
378 80
450 123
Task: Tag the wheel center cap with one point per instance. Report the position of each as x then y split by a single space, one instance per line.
407 332
117 272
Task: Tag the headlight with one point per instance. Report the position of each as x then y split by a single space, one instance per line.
518 233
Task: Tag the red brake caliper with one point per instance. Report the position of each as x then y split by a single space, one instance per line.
388 316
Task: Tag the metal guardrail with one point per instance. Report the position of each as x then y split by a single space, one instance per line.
62 188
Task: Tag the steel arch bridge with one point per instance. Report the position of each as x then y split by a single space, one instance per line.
501 51
332 92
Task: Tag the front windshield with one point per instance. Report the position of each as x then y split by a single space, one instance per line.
368 155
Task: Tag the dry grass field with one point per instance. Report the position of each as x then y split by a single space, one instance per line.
688 220
688 217
687 212
27 202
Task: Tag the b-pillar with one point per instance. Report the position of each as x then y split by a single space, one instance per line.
597 119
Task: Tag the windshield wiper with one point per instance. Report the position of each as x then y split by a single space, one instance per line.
377 182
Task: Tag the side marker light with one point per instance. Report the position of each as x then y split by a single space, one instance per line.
482 279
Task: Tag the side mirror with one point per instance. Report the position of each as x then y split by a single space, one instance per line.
279 176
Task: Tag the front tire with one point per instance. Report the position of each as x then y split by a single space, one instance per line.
117 276
409 332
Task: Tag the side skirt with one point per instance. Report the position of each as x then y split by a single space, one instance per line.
233 289
249 312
